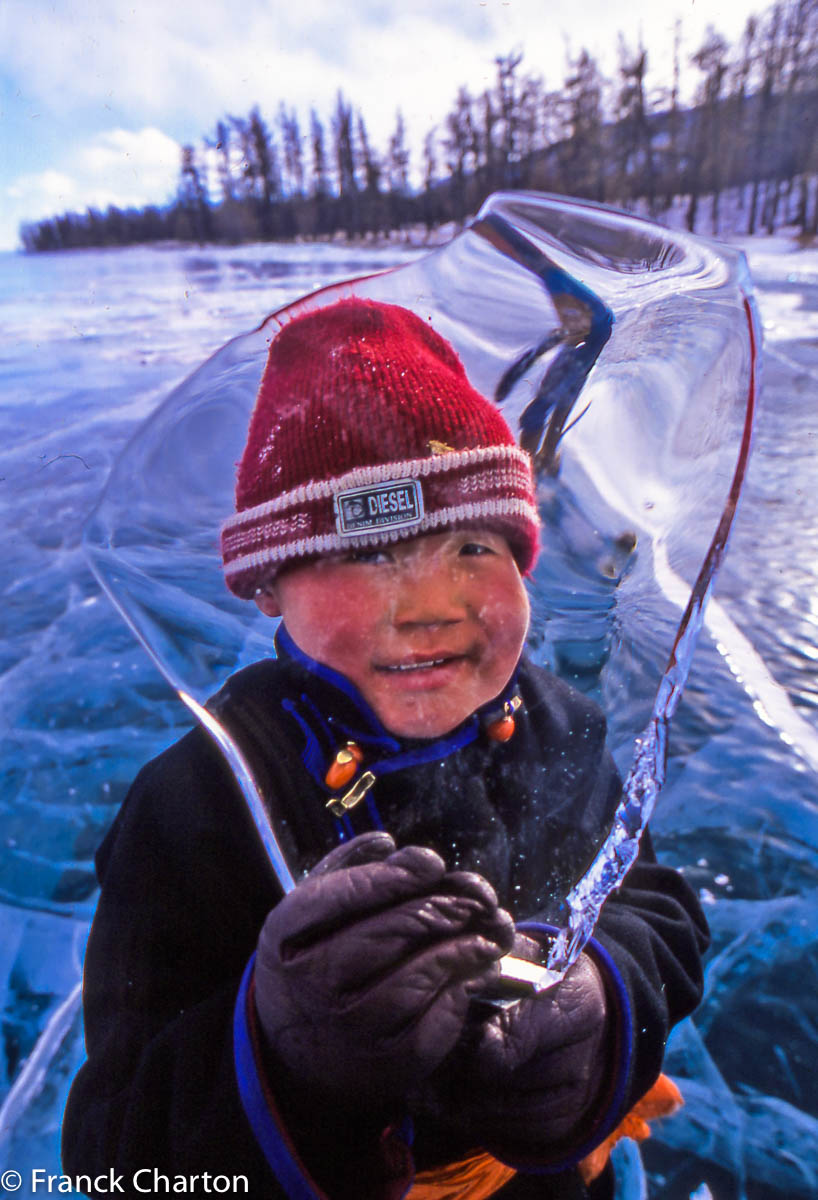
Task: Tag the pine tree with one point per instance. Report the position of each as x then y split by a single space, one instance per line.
397 170
509 116
320 187
430 206
583 156
265 174
460 144
637 175
192 203
706 173
348 207
770 55
293 152
370 170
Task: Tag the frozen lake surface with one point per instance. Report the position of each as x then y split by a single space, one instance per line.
92 342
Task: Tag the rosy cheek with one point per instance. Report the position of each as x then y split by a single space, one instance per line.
348 622
503 607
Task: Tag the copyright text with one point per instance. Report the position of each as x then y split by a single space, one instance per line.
147 1181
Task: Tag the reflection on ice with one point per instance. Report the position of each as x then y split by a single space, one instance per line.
629 1172
762 1140
41 962
760 985
82 708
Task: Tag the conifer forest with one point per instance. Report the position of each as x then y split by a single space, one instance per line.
749 134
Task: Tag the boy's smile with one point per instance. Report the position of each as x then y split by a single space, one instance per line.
427 629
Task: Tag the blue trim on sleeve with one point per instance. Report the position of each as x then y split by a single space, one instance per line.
625 1056
268 1133
612 1115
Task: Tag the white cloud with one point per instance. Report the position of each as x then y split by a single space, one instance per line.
138 167
42 191
187 64
195 60
119 167
75 68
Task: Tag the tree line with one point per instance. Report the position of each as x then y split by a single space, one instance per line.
750 131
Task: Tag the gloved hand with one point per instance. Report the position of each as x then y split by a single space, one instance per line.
523 1078
364 971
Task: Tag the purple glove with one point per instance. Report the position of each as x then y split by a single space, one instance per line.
364 971
522 1080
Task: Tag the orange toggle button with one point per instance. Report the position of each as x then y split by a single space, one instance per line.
502 730
343 766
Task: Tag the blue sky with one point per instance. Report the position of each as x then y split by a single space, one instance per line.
96 96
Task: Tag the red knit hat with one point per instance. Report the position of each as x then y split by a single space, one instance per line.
366 430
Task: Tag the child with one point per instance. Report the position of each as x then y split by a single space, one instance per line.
387 514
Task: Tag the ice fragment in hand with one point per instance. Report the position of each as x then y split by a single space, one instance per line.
610 344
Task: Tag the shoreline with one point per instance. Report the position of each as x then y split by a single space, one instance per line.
418 237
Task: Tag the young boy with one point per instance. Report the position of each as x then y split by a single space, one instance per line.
436 795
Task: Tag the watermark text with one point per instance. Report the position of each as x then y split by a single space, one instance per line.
147 1181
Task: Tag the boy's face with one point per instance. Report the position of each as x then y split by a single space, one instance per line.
427 629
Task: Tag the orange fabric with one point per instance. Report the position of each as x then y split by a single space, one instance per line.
474 1178
663 1099
481 1176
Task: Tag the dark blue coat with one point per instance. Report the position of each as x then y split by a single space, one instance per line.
176 1078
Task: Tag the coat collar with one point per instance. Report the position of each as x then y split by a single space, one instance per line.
330 711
